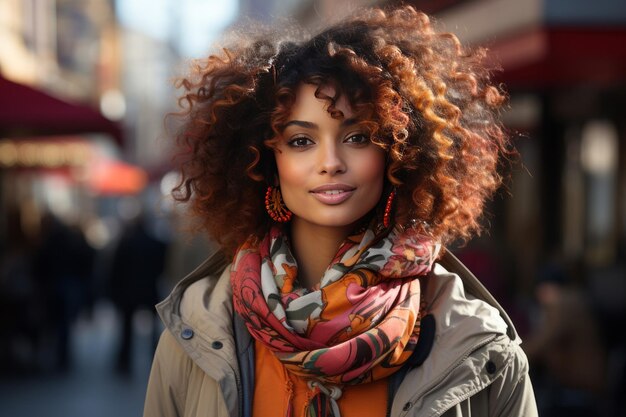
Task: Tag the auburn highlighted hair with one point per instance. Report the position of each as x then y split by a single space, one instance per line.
427 101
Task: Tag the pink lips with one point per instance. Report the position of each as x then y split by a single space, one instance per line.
333 193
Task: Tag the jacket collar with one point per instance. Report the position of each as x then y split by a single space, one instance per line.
474 287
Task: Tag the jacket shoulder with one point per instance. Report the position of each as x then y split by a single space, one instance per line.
492 381
508 393
511 393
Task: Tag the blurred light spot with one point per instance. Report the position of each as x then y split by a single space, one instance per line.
168 182
599 148
78 153
113 104
44 154
52 156
8 153
98 234
58 193
116 178
28 153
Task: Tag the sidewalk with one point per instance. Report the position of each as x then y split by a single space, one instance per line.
91 387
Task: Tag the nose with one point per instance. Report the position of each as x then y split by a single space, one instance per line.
331 161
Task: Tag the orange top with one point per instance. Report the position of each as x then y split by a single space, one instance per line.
272 384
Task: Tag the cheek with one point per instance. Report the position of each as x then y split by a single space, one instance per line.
289 171
373 169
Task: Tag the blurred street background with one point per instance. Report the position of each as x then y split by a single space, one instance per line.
90 239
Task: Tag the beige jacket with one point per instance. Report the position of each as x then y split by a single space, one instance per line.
475 366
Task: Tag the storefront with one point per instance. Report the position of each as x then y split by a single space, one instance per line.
56 157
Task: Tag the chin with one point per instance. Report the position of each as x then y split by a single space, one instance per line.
334 219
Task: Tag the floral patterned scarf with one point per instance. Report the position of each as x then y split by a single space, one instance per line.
360 325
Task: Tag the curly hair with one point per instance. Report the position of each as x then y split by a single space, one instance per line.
427 101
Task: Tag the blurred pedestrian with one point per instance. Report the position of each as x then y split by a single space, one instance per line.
20 334
573 370
137 264
64 270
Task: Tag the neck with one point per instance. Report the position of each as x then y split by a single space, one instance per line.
314 247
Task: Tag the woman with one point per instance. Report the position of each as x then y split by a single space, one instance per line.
331 171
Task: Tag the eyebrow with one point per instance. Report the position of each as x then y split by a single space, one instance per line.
310 125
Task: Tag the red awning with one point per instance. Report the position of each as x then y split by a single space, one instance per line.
26 111
562 57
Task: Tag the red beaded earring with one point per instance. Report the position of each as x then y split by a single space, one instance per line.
275 205
388 207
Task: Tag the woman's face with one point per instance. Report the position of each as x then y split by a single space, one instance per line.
330 173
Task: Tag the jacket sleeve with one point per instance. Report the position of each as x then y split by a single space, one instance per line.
511 394
166 392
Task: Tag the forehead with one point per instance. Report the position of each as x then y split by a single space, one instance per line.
308 105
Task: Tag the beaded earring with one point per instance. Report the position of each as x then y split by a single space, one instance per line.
388 208
275 205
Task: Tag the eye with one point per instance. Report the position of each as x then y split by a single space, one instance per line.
300 142
358 139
